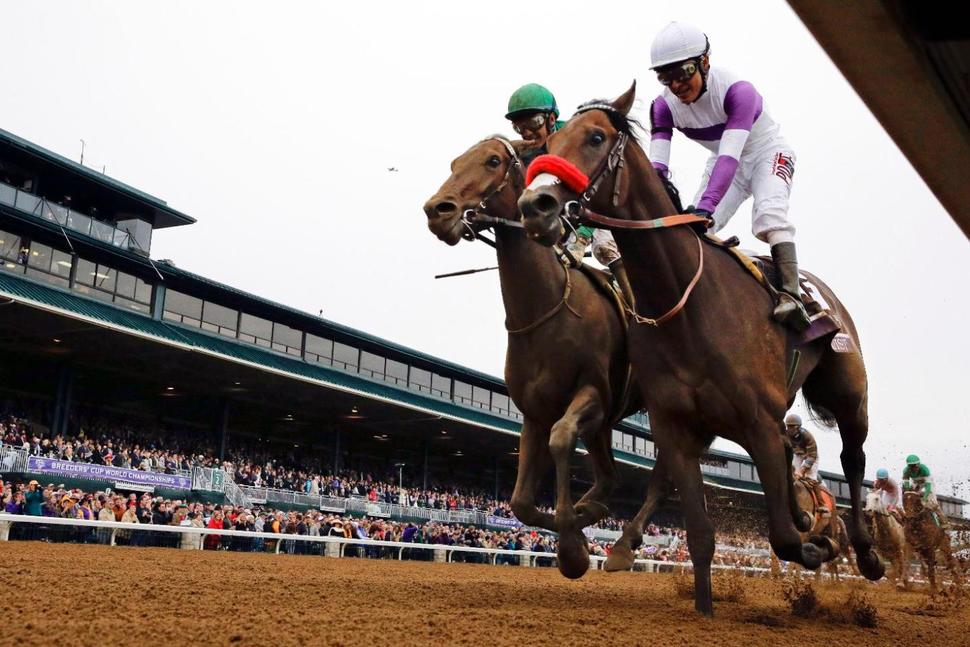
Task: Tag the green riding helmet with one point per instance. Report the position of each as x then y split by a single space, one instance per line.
531 97
912 459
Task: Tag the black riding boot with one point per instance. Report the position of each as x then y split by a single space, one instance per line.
619 274
789 310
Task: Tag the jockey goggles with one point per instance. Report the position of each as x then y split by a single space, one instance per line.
529 124
677 74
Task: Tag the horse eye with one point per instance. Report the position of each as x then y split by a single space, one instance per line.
596 139
494 161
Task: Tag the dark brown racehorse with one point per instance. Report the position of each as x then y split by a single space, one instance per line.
924 534
707 356
566 366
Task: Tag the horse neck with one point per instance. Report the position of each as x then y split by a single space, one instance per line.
663 259
531 277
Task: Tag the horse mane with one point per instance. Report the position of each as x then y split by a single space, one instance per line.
621 122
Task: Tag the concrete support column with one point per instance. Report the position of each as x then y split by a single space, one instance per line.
223 428
62 400
424 478
336 450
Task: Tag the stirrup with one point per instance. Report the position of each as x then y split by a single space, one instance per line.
791 312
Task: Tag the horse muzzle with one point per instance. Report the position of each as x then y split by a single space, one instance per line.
444 220
540 210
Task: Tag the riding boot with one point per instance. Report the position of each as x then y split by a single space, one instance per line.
622 280
789 310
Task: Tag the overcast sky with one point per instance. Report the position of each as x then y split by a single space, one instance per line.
274 126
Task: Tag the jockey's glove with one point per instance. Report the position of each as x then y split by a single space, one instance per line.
703 213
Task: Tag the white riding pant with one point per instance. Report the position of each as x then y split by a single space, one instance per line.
604 247
812 471
767 176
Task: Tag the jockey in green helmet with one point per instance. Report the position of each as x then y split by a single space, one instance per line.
916 477
534 114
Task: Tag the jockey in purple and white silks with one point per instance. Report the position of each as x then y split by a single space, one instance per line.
749 157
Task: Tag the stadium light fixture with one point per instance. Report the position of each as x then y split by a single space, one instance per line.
354 410
169 388
56 340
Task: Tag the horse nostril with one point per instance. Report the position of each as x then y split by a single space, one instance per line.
546 204
445 208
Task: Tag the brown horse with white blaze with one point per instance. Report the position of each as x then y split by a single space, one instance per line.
889 538
566 365
714 363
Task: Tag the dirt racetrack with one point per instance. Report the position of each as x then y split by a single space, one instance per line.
68 594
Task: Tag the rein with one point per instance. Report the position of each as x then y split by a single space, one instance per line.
579 211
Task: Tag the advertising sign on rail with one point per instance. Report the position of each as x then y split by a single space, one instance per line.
40 465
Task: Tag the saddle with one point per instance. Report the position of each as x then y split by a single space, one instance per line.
821 496
823 320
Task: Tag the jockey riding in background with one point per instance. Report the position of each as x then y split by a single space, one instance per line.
749 157
535 116
889 492
805 459
916 477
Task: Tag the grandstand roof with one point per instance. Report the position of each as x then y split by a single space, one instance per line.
164 215
909 62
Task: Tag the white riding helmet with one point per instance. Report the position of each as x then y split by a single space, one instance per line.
678 41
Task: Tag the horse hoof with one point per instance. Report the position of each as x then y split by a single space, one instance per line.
871 566
620 559
589 512
573 555
829 549
811 556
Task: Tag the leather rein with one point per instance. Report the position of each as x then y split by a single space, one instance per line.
578 211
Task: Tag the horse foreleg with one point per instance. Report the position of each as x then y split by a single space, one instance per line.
684 467
592 506
533 462
621 557
584 412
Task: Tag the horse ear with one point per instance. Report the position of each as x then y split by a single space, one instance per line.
624 102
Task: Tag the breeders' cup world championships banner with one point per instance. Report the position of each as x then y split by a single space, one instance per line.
39 465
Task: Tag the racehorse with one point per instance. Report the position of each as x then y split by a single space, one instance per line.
713 363
828 524
925 535
889 538
566 366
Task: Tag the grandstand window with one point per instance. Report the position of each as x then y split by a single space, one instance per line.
514 409
287 340
255 330
481 397
219 319
419 379
318 350
182 308
371 365
441 385
48 264
8 195
463 392
396 372
9 246
346 357
500 403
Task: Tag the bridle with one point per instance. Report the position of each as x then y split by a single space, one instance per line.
479 215
579 211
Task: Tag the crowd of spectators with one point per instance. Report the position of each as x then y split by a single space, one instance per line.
169 452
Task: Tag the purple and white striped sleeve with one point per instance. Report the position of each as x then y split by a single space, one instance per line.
743 104
661 130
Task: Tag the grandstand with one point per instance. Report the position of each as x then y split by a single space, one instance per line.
89 322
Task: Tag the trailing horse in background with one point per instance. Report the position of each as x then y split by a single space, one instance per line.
925 535
889 538
566 365
826 524
713 363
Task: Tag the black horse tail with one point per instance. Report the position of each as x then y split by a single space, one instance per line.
819 413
